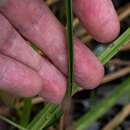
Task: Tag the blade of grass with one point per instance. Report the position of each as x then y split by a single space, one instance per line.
26 112
12 123
66 105
104 57
50 111
69 16
98 110
115 47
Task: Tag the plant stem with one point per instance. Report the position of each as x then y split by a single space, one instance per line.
69 16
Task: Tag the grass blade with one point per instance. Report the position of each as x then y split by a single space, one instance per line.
115 47
26 112
50 111
66 105
69 16
85 121
12 123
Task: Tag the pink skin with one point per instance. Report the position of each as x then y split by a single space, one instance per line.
13 45
17 78
37 23
99 17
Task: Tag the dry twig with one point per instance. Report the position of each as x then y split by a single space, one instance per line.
118 119
116 75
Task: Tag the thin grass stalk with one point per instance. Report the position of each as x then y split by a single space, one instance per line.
26 112
69 16
115 47
12 123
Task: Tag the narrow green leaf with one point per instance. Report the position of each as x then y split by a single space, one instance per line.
69 15
12 123
98 110
26 112
50 111
115 47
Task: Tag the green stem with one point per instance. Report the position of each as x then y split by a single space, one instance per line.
26 112
69 16
12 123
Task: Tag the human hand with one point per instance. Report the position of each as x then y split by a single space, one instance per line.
26 73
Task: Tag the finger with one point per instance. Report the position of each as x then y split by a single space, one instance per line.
99 17
17 78
13 45
36 22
